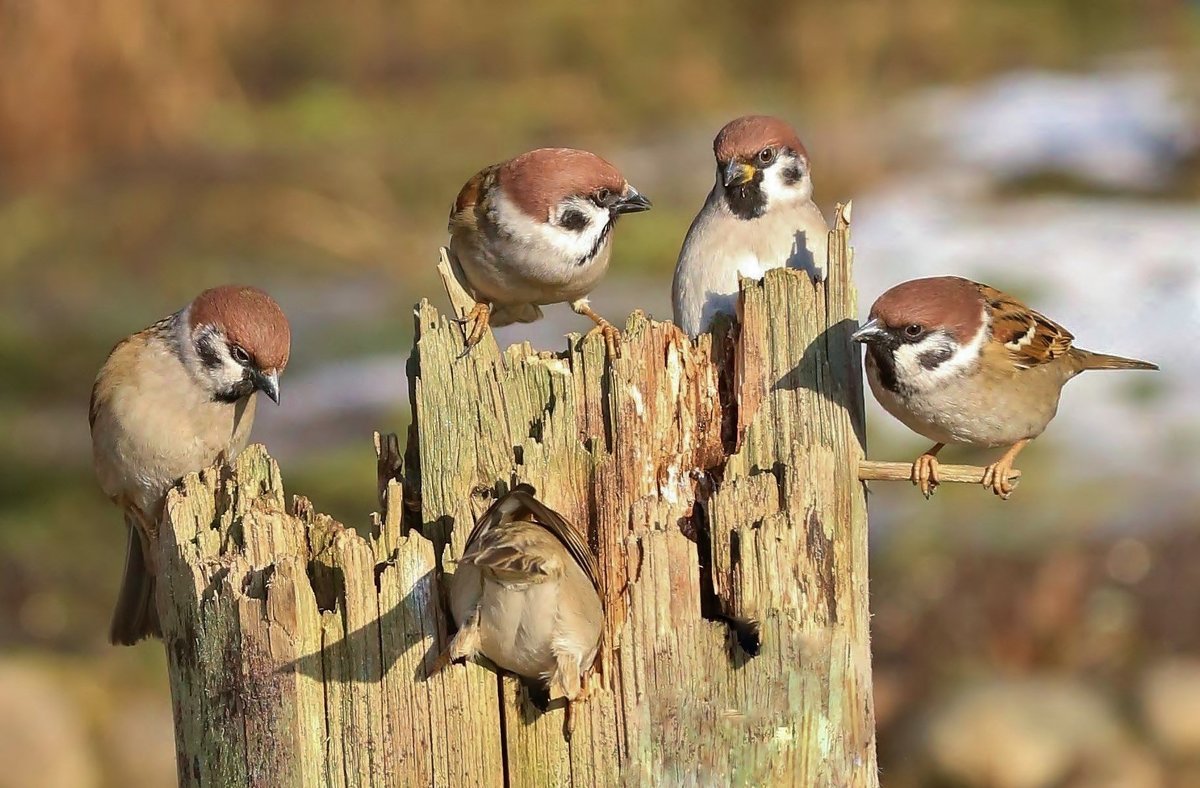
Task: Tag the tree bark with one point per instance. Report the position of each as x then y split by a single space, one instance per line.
718 484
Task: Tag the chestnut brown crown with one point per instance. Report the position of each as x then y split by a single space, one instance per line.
742 138
250 319
540 179
950 303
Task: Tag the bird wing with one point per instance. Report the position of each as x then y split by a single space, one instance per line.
470 195
1028 337
488 544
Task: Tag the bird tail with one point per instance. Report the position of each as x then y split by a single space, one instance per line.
136 615
1090 360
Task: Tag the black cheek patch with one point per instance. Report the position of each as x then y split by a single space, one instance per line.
243 388
791 175
932 359
573 220
885 367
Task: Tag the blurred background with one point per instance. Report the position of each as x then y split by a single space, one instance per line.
149 149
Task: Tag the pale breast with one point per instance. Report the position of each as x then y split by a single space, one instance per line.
972 410
720 247
153 426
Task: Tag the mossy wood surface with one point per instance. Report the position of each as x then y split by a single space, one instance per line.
299 651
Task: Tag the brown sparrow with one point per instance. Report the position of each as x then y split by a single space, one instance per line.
526 595
537 230
759 215
961 362
170 400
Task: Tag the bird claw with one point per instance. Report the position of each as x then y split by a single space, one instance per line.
925 474
480 316
996 476
612 337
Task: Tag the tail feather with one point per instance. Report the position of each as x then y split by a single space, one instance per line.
1090 360
136 615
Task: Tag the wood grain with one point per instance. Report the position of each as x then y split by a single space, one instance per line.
719 486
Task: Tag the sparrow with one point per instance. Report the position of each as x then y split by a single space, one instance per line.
960 362
526 595
173 399
759 215
535 230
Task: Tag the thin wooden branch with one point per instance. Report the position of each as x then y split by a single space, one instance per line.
452 281
874 471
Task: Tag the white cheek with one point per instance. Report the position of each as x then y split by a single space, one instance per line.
921 378
548 237
228 375
779 191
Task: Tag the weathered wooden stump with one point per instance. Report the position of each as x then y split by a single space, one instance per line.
299 650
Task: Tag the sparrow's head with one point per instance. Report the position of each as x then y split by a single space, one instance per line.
571 198
760 162
922 332
239 340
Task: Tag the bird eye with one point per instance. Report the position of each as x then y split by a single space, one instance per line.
766 155
239 354
912 330
601 196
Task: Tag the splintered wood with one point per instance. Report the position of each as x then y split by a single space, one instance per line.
731 541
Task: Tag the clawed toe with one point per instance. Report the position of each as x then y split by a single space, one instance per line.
612 337
925 472
479 316
996 477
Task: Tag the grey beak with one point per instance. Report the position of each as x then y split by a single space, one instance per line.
631 203
737 173
268 384
869 332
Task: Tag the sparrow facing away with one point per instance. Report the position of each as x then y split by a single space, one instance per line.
172 399
537 230
759 215
961 362
526 595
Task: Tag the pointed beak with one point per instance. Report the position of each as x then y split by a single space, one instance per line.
633 202
268 384
869 332
738 173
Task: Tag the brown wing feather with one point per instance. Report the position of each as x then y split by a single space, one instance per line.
470 194
519 503
493 551
1029 337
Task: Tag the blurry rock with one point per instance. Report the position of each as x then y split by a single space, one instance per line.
1033 733
1170 699
43 738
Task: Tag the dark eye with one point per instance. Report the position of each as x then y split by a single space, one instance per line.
239 354
766 155
601 196
912 331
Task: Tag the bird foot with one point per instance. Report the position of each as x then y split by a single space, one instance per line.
925 474
996 476
439 664
479 316
612 336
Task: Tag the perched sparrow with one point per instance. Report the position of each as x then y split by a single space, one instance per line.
537 230
759 215
172 399
961 362
526 595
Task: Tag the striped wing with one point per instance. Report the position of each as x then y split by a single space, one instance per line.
1029 337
